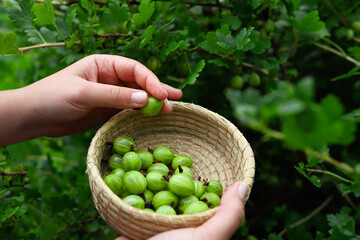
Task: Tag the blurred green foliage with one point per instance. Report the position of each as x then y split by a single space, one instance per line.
301 121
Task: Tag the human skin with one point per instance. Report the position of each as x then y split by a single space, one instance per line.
78 97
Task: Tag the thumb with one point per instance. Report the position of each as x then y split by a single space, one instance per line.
229 215
111 96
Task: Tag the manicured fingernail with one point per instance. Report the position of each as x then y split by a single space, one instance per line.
243 190
139 97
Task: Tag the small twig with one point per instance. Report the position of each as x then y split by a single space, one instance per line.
70 3
330 160
13 173
308 217
327 48
193 4
329 173
44 45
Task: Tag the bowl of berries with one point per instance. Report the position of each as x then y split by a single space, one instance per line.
150 174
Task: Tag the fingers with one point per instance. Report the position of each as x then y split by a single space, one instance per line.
228 217
111 69
173 93
110 96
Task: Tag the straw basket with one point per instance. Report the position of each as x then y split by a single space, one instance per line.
219 150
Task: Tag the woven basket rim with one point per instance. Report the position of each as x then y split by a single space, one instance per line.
94 172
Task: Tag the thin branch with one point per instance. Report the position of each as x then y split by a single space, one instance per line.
70 3
13 173
327 48
329 173
308 217
330 160
44 45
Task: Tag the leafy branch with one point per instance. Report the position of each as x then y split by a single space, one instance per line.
327 48
70 3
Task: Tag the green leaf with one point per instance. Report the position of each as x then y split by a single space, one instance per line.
355 52
8 44
218 62
173 46
354 71
243 41
232 21
313 179
22 17
70 17
8 213
191 79
353 188
44 13
309 22
147 35
116 14
146 10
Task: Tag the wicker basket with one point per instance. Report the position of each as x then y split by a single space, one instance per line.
219 150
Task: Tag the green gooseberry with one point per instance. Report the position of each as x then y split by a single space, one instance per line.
125 192
124 144
146 158
166 210
149 210
135 182
163 154
254 79
119 172
199 188
214 187
181 185
269 25
152 107
237 82
212 199
156 181
135 201
183 161
196 207
115 161
131 161
165 198
184 170
148 196
115 183
159 167
185 202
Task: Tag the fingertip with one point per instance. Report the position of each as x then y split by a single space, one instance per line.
167 107
243 189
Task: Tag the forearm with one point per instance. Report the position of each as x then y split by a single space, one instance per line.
17 122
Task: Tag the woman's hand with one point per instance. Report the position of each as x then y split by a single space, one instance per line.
221 226
79 97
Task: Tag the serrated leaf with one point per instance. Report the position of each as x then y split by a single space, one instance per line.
22 17
8 44
116 14
147 35
173 46
70 17
355 52
191 79
44 14
243 41
34 36
8 213
146 9
354 71
48 36
309 22
352 188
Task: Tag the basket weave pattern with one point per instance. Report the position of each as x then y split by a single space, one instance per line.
220 152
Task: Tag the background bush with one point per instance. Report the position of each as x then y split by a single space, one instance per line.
301 117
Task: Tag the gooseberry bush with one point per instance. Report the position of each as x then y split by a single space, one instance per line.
297 103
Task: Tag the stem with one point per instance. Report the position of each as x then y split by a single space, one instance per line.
23 49
308 217
330 160
327 48
13 173
69 3
329 173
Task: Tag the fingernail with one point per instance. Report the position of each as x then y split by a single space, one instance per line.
243 190
168 102
139 97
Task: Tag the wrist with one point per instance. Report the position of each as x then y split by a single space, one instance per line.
17 119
